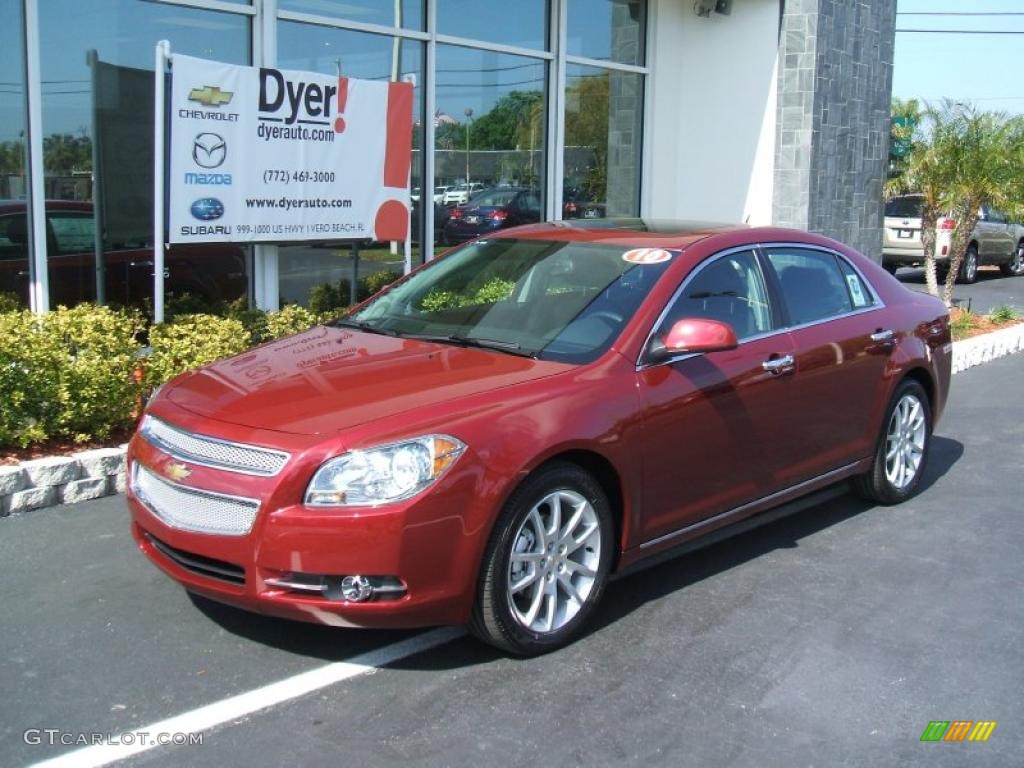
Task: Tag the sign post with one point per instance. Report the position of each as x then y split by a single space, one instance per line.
163 55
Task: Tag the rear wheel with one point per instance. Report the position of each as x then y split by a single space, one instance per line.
890 267
1015 267
902 449
969 269
546 564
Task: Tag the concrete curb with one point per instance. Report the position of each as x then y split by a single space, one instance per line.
57 480
987 347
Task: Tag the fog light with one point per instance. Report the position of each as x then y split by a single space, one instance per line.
356 589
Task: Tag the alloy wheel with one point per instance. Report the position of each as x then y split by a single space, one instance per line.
554 562
970 266
905 441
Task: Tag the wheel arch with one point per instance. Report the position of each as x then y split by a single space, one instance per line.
607 476
923 377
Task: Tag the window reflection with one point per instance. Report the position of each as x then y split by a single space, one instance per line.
606 29
405 13
320 275
489 137
523 23
602 142
14 267
97 105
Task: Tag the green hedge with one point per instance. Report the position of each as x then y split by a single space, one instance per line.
67 375
78 374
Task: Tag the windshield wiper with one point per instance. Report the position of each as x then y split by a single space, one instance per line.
366 327
509 347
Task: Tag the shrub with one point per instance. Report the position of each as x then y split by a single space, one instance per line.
291 319
375 281
67 374
1003 314
190 341
253 320
9 302
325 298
97 387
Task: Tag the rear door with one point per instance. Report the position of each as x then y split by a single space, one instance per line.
842 344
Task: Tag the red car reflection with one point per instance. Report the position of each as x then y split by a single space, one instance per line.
489 439
211 273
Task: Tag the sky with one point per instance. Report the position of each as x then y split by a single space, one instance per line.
986 69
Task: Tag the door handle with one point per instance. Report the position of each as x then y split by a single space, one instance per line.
883 335
778 365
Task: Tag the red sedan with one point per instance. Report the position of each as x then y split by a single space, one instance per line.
488 440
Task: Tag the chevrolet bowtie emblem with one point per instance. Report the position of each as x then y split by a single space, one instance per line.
177 471
210 95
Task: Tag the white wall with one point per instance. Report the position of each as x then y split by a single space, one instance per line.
711 115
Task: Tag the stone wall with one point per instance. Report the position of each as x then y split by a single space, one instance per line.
61 480
832 142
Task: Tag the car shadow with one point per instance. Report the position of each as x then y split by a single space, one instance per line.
621 598
784 531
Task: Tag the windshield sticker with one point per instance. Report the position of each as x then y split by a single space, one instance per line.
647 256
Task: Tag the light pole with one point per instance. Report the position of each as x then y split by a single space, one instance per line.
469 123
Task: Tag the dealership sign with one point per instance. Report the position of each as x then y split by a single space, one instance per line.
267 155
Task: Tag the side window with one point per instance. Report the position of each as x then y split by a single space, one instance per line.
811 284
73 233
730 289
860 295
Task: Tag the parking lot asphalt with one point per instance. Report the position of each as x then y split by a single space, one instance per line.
830 637
990 291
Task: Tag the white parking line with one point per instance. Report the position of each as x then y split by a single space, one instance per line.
235 707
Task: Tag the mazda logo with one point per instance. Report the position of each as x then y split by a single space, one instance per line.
209 150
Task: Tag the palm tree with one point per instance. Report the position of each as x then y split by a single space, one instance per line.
961 160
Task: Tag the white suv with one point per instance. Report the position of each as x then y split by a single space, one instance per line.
461 193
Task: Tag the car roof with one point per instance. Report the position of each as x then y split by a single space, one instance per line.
666 233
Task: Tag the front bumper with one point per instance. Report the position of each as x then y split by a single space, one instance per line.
424 543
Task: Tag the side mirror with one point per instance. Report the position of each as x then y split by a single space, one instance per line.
694 334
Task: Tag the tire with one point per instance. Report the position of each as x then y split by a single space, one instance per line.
969 269
889 267
909 432
1015 267
541 614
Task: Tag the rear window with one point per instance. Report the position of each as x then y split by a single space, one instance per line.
904 207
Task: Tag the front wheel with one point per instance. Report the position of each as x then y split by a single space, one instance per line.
1015 268
546 564
902 450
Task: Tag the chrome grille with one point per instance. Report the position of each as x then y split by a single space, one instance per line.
191 509
211 451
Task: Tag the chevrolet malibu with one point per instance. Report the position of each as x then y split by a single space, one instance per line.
490 439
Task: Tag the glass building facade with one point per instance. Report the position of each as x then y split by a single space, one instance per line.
541 99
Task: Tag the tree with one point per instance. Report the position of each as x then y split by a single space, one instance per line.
961 160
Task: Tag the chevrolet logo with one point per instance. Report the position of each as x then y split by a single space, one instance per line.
176 471
210 96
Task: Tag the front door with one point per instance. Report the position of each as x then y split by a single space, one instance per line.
715 425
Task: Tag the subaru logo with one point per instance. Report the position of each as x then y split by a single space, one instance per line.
209 150
207 209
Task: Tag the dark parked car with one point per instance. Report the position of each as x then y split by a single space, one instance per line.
492 209
211 273
489 439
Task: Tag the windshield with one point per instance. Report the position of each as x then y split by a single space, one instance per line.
546 299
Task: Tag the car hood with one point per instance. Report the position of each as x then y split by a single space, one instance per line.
330 379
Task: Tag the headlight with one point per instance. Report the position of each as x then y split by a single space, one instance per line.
383 474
